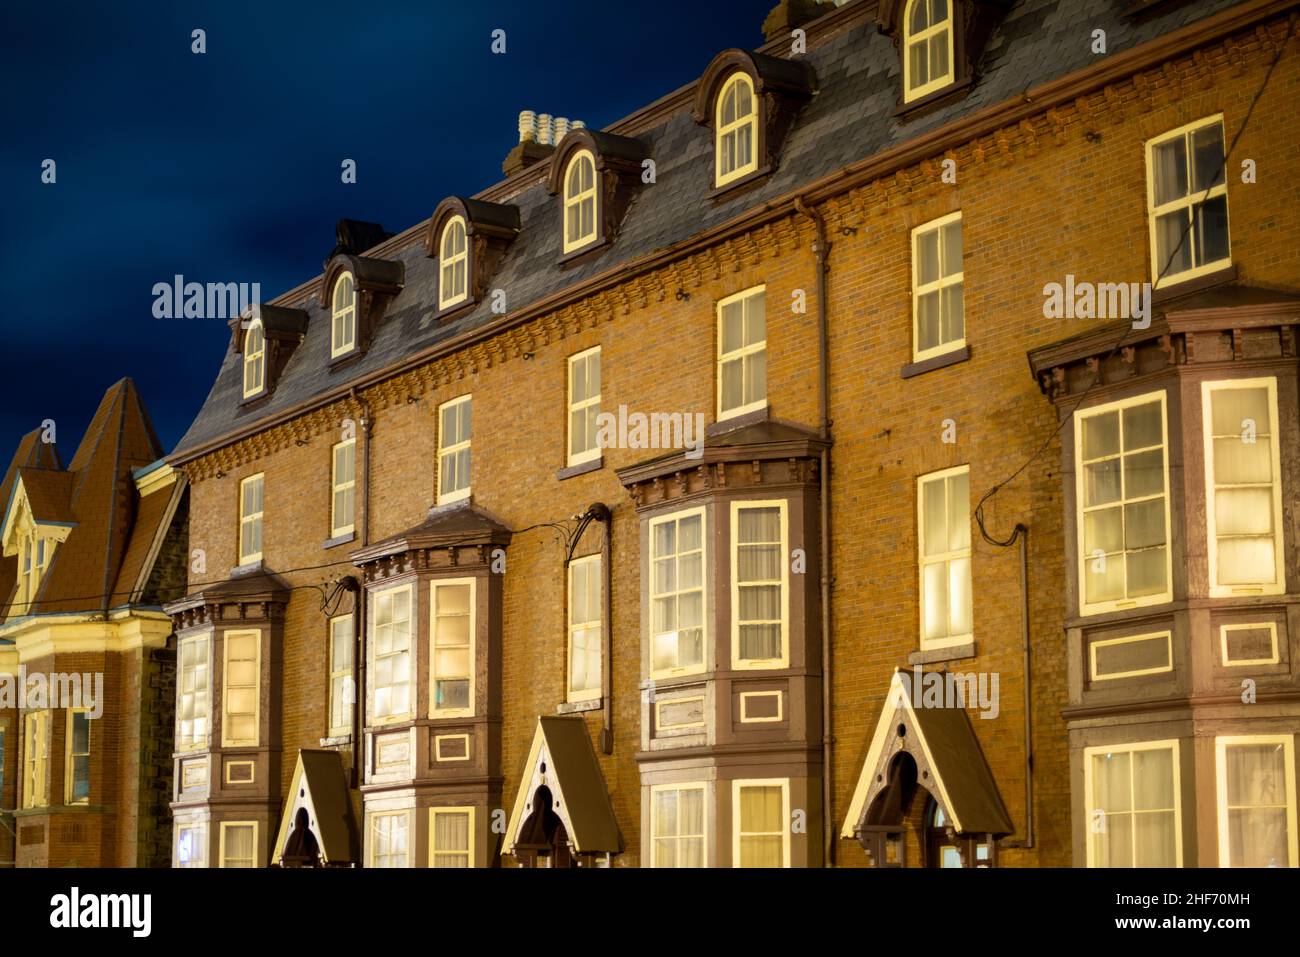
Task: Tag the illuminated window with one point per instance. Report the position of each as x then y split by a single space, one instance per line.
943 512
238 844
1134 811
452 655
192 845
77 759
451 837
938 310
1257 801
677 627
453 450
343 325
736 130
254 360
192 695
343 481
759 598
677 825
341 680
239 682
584 628
761 823
742 353
453 287
391 641
388 839
580 202
584 406
250 518
927 47
36 759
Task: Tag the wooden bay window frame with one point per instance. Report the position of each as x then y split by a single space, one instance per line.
437 588
235 643
738 831
676 592
382 828
384 613
659 795
444 857
193 656
1096 820
75 757
782 582
1287 804
223 860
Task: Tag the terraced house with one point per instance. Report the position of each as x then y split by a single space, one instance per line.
628 511
91 550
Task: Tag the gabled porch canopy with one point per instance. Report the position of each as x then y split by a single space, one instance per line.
317 828
563 808
949 764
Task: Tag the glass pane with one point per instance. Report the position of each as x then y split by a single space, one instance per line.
1102 530
1211 231
1101 483
1154 840
1173 251
1235 410
954 319
934 506
689 530
1146 572
959 597
1153 779
1144 474
918 64
1144 524
1100 435
1256 774
1207 157
1244 511
1169 166
1111 782
733 326
1247 561
1104 580
1142 426
938 57
928 330
934 581
927 257
959 512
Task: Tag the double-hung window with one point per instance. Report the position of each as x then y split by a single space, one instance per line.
1134 814
943 513
584 628
760 620
453 261
238 844
742 353
76 782
584 406
343 323
451 837
1187 202
453 450
192 695
342 687
343 482
736 130
938 305
388 839
760 816
1257 800
928 47
452 655
254 359
677 825
677 628
1243 487
36 759
391 633
239 682
250 518
1122 491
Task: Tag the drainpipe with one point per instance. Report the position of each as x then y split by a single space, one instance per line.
367 422
1029 720
359 669
821 250
603 516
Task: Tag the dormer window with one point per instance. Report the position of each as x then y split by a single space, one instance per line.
580 202
343 328
453 264
254 360
736 130
928 56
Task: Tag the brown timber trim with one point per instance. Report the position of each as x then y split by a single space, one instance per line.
1005 113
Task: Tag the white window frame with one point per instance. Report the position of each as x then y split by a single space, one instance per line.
447 263
937 286
187 743
676 788
347 447
573 201
252 518
343 624
749 120
704 587
1095 608
739 785
740 354
587 694
372 654
69 756
944 26
221 841
254 360
923 560
343 319
434 710
576 405
1221 745
200 831
372 840
227 740
782 660
468 854
1269 626
460 494
1191 199
36 758
1129 747
1278 585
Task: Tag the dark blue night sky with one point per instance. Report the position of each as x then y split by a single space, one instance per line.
225 167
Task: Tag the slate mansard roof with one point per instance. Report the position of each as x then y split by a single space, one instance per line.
850 118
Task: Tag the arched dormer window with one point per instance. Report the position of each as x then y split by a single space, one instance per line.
750 101
927 47
580 202
453 260
254 360
343 327
735 130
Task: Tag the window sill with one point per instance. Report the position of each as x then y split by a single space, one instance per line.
936 362
582 468
340 540
248 568
337 741
737 187
575 707
1178 288
731 423
455 310
930 656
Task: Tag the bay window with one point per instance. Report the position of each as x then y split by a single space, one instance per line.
451 657
192 694
677 627
760 614
1257 801
391 641
1134 813
677 825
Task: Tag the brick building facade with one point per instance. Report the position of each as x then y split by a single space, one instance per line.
576 638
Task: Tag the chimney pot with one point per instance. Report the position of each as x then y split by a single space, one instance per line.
527 126
544 129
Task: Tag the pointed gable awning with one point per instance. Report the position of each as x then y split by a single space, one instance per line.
563 761
950 763
320 789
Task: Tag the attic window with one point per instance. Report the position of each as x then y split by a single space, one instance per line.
343 329
453 264
928 48
254 360
736 130
580 202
